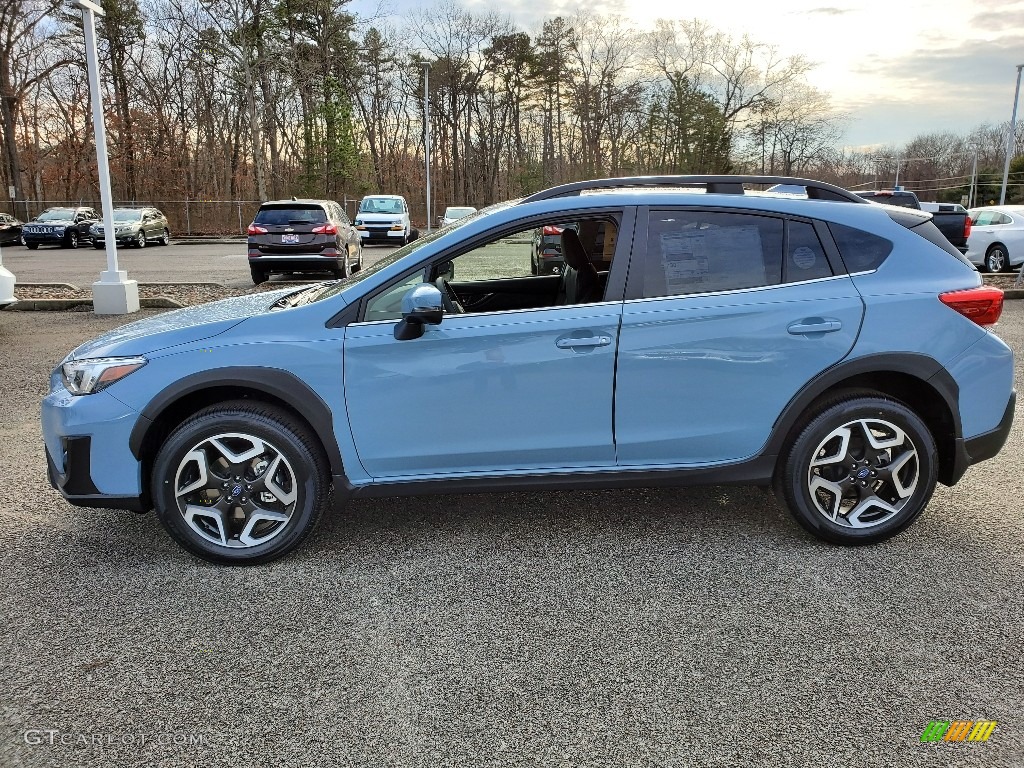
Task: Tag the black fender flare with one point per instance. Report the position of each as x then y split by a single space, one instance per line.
279 384
917 365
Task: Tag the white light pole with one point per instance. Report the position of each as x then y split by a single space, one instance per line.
1010 138
426 136
114 293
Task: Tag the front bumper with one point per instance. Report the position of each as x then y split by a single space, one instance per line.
121 238
47 238
381 234
88 459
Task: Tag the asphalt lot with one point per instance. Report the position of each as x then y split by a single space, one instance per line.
192 262
664 627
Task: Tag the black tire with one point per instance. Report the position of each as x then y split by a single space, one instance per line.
31 246
165 238
997 259
359 257
140 239
863 474
258 275
304 470
70 239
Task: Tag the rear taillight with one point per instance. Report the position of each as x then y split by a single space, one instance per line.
256 229
983 305
325 229
967 226
550 230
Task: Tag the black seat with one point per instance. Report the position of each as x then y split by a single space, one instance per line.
580 282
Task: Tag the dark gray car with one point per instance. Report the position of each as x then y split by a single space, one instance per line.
303 236
135 226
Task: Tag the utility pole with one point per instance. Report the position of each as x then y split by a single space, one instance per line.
426 137
1010 138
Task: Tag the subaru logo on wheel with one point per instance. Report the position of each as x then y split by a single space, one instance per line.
236 491
863 473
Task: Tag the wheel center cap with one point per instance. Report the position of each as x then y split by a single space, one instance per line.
236 490
863 473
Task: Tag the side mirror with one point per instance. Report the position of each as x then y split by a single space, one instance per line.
421 305
446 269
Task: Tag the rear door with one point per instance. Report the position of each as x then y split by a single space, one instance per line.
727 316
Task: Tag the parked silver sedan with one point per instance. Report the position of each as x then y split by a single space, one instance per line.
996 242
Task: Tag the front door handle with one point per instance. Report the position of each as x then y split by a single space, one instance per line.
570 342
814 325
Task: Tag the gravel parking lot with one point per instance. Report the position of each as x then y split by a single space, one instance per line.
653 627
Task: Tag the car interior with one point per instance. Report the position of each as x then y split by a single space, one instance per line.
496 276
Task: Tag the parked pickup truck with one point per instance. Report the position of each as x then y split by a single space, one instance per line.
951 218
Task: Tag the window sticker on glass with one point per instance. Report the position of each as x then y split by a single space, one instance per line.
713 259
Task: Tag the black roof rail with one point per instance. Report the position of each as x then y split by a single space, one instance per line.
728 185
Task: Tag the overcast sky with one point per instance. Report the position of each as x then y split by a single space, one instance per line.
898 67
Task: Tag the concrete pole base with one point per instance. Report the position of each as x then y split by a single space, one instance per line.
115 298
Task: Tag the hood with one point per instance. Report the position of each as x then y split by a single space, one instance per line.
381 217
54 222
182 326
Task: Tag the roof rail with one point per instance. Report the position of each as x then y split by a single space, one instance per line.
728 185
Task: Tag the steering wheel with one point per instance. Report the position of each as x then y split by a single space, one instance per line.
452 305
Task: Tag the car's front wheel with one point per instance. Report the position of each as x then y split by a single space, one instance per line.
860 472
240 483
140 239
71 239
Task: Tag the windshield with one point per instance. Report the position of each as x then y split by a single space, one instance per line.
57 214
457 213
129 214
381 205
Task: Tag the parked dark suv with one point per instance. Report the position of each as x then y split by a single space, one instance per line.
66 227
303 236
135 226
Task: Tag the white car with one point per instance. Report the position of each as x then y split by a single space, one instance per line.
996 243
384 219
455 212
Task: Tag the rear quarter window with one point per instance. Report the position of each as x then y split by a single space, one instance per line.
861 251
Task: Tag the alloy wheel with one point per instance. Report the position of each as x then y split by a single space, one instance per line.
863 473
236 490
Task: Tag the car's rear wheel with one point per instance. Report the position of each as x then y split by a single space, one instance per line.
997 259
258 275
165 238
240 483
860 472
359 256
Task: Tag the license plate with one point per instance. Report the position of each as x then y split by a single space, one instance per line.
289 238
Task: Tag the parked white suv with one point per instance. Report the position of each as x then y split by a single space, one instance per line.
384 219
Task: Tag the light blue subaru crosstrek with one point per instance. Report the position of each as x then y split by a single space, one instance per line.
701 332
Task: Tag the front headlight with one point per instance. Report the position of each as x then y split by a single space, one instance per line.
85 377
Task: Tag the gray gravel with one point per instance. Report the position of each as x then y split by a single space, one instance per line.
695 627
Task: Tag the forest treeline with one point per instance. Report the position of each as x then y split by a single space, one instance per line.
223 100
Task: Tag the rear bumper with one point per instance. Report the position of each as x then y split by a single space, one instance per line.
985 446
299 263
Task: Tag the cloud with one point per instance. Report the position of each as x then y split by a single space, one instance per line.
829 11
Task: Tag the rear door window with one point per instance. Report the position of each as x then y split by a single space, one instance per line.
692 252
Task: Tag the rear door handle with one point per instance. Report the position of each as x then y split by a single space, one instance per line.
569 342
814 325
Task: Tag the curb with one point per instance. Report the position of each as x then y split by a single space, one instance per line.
58 305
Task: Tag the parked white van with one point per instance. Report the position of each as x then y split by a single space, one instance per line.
384 219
